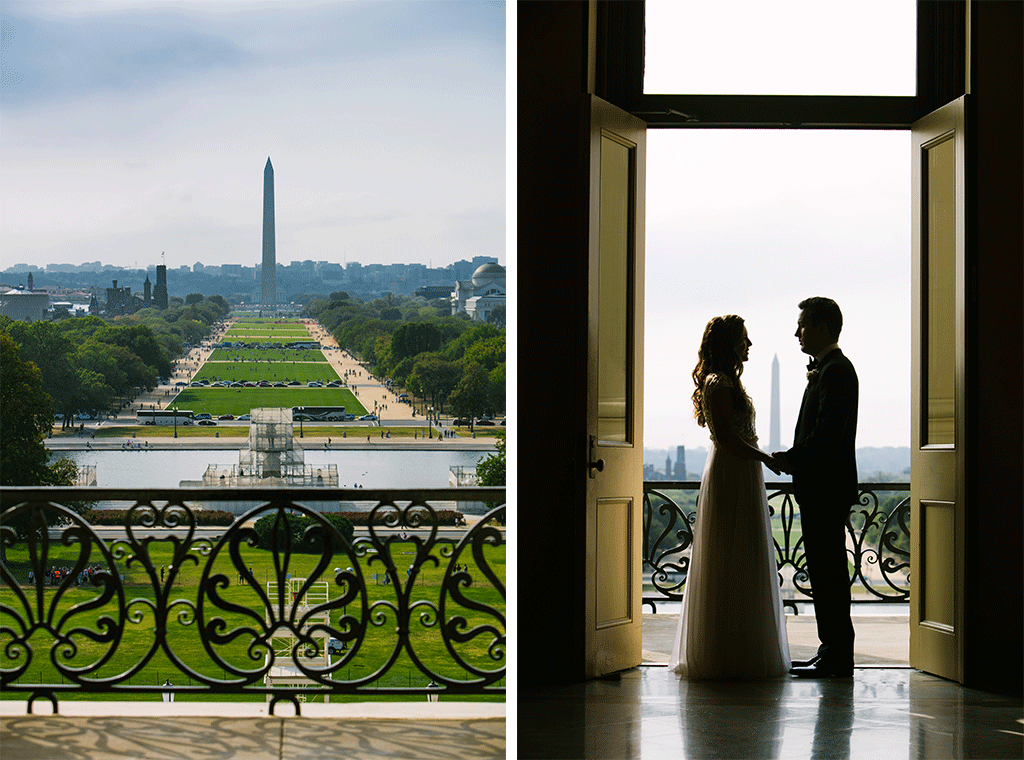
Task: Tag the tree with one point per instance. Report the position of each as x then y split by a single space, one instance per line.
469 399
496 316
414 338
490 471
433 378
26 416
193 298
45 346
488 353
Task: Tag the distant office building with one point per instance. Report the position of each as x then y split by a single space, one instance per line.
269 295
147 292
31 283
160 290
680 469
480 295
24 305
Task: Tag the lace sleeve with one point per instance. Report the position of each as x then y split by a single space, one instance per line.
713 380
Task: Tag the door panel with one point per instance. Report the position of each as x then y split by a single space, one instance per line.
937 452
614 407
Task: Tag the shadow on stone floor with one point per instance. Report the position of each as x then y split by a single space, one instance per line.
40 737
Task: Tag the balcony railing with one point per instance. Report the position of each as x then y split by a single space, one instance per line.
877 543
166 604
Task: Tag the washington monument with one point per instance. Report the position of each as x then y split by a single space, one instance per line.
773 434
269 296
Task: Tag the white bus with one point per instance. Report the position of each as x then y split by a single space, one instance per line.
165 416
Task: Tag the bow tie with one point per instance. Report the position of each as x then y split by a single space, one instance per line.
812 365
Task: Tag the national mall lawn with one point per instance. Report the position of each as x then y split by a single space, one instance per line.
377 645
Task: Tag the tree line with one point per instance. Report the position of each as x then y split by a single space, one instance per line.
86 363
450 360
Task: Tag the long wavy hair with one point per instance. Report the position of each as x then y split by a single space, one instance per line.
717 354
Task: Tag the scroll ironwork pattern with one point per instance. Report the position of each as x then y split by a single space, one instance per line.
407 607
877 544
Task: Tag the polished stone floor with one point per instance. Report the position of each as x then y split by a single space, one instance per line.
881 713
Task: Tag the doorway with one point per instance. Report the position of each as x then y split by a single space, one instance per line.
750 222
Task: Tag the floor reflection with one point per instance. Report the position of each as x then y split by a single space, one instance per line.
652 713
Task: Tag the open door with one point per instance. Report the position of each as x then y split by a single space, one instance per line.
937 399
614 399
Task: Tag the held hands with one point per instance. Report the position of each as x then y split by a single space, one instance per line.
771 463
780 463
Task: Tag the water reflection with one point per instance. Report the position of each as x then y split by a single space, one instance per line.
356 468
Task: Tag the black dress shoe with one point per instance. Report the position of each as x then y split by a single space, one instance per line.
806 663
823 669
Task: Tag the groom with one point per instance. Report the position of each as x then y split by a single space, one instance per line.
824 469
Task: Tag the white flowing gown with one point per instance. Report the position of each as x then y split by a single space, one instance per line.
732 625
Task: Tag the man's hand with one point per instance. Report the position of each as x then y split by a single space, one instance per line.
782 462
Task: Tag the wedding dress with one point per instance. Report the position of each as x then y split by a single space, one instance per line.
732 625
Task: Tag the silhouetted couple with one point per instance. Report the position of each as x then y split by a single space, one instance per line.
732 625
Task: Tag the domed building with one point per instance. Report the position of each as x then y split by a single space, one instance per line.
480 295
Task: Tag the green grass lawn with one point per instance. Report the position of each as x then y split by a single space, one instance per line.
272 371
266 354
377 645
237 401
298 331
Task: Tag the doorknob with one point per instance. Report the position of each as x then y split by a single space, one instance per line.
594 466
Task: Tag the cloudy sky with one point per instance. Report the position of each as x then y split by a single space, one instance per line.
132 127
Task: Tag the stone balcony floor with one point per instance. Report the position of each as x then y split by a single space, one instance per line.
201 731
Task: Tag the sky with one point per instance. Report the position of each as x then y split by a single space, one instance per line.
135 127
752 222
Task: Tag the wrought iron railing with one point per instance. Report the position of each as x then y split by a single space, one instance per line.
878 541
165 604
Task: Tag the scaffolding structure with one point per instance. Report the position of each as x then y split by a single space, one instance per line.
285 650
272 458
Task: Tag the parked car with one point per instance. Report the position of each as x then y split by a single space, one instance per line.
263 384
294 382
369 417
244 417
237 385
280 385
460 421
226 417
334 646
207 422
484 423
348 416
249 385
204 416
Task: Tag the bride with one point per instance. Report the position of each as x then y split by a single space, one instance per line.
731 625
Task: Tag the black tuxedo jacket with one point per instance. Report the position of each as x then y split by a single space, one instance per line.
823 457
